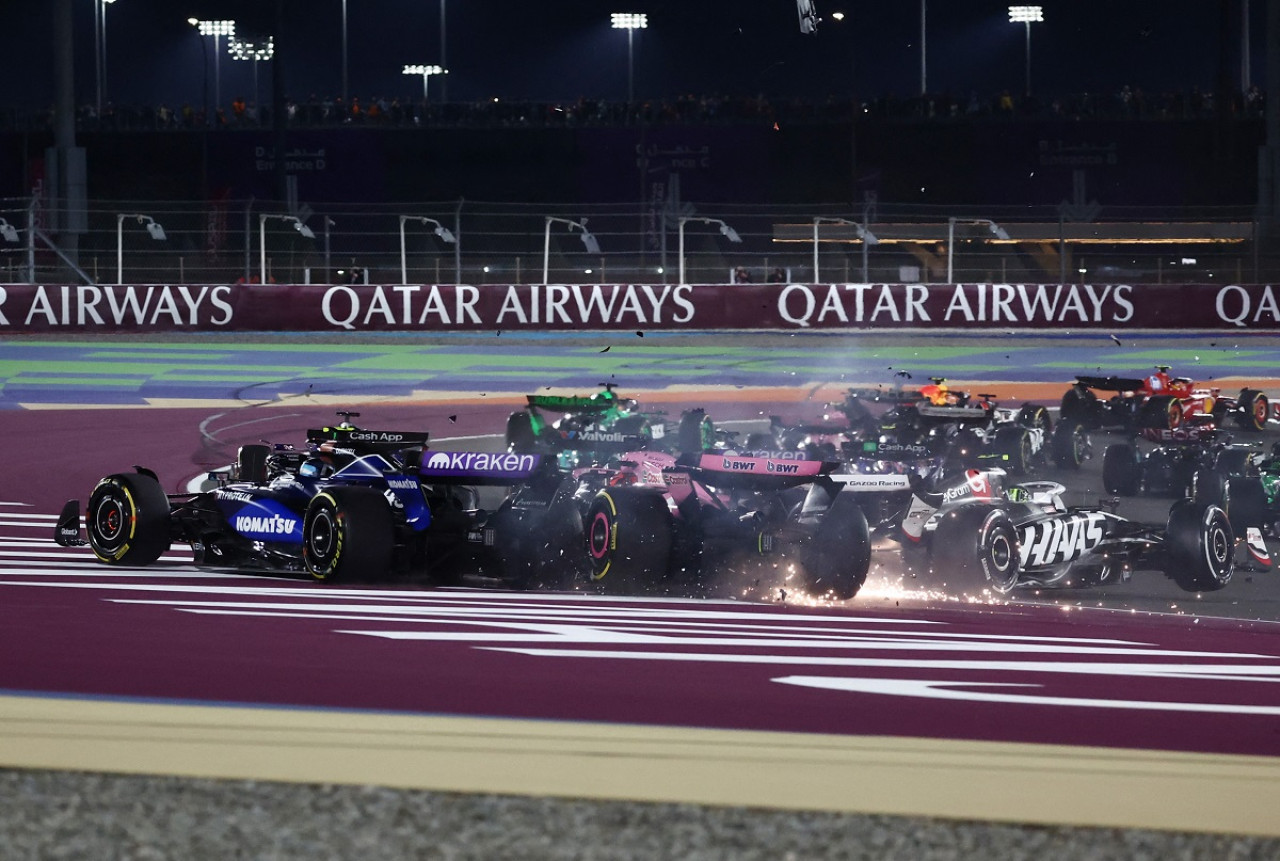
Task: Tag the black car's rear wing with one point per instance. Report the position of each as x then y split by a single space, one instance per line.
482 467
1111 384
361 440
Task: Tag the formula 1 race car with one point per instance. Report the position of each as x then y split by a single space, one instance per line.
976 528
1181 458
355 504
1162 402
941 422
595 427
668 522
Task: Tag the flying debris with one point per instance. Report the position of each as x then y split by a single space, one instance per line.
1117 340
605 350
808 16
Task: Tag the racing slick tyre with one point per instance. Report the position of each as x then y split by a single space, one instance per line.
1035 416
629 538
1079 405
520 435
1201 546
836 559
1121 469
978 539
1245 503
1069 444
1255 409
128 519
541 547
251 463
696 432
1015 446
1162 412
348 534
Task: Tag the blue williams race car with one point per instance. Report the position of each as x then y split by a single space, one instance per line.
355 504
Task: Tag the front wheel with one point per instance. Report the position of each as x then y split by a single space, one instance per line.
1070 445
128 519
836 559
1201 546
347 534
520 434
1121 469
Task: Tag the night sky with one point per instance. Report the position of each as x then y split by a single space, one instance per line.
558 50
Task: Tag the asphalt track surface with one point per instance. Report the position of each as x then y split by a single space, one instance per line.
1107 707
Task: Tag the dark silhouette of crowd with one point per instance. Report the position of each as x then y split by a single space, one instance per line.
1126 103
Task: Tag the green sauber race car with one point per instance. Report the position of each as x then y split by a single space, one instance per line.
592 428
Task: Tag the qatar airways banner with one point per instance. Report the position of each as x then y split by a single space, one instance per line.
414 307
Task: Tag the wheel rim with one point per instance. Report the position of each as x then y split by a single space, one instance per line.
1001 555
109 520
1219 549
1260 409
1175 415
322 535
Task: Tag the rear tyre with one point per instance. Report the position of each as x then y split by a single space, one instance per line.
1069 444
541 548
1035 416
1079 405
1201 546
251 463
1209 487
1254 410
1162 412
1121 469
978 540
836 559
628 538
348 534
128 519
1014 443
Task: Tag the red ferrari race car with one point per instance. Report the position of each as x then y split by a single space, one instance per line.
1162 402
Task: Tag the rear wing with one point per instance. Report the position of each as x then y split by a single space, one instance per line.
482 467
1111 384
570 403
725 470
372 439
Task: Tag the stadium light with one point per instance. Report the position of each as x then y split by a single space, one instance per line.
426 72
100 47
996 230
629 21
216 29
156 231
1026 15
443 232
867 237
262 238
8 231
725 229
588 241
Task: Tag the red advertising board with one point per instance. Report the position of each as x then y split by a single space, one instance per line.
416 307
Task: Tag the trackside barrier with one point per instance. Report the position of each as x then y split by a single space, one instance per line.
361 308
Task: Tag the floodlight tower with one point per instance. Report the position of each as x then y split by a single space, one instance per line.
629 21
216 29
1026 15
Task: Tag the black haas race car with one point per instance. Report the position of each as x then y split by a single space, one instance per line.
1162 402
356 504
594 427
976 529
666 523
